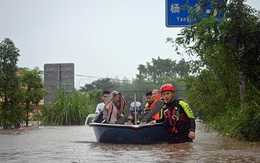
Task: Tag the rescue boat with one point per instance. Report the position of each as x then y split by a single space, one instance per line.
127 133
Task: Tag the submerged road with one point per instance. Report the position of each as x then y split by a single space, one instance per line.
75 144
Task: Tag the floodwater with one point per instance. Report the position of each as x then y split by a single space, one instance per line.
75 144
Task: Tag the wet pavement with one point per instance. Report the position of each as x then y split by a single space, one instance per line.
74 144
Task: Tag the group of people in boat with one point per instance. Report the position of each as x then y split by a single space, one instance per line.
161 107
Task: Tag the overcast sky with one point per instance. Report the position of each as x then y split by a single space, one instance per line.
103 38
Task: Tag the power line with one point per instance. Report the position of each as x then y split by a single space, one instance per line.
122 80
88 76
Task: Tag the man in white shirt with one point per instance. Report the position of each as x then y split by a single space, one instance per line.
100 106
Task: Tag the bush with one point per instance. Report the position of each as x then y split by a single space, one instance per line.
68 110
241 124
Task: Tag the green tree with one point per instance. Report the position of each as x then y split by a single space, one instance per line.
9 84
232 40
157 69
228 49
182 68
103 84
33 88
160 70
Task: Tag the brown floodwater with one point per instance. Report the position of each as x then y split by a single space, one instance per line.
74 144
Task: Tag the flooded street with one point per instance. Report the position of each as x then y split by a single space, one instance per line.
78 144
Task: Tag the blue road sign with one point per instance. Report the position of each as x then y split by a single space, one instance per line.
177 16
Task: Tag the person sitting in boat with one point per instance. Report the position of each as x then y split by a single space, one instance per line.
100 106
149 101
135 111
178 118
114 107
156 96
98 118
146 110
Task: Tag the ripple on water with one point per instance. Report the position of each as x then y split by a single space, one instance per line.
78 144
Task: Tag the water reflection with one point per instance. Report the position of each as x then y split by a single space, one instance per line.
78 144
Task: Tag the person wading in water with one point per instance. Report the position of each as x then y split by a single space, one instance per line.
178 118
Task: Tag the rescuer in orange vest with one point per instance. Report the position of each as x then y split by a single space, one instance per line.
156 96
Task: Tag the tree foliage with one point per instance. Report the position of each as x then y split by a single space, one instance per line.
9 84
32 89
159 69
226 48
103 84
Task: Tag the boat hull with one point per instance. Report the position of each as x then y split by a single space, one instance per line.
129 134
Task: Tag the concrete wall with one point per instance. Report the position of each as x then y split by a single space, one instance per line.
58 76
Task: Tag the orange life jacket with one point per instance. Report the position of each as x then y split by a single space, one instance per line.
157 115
